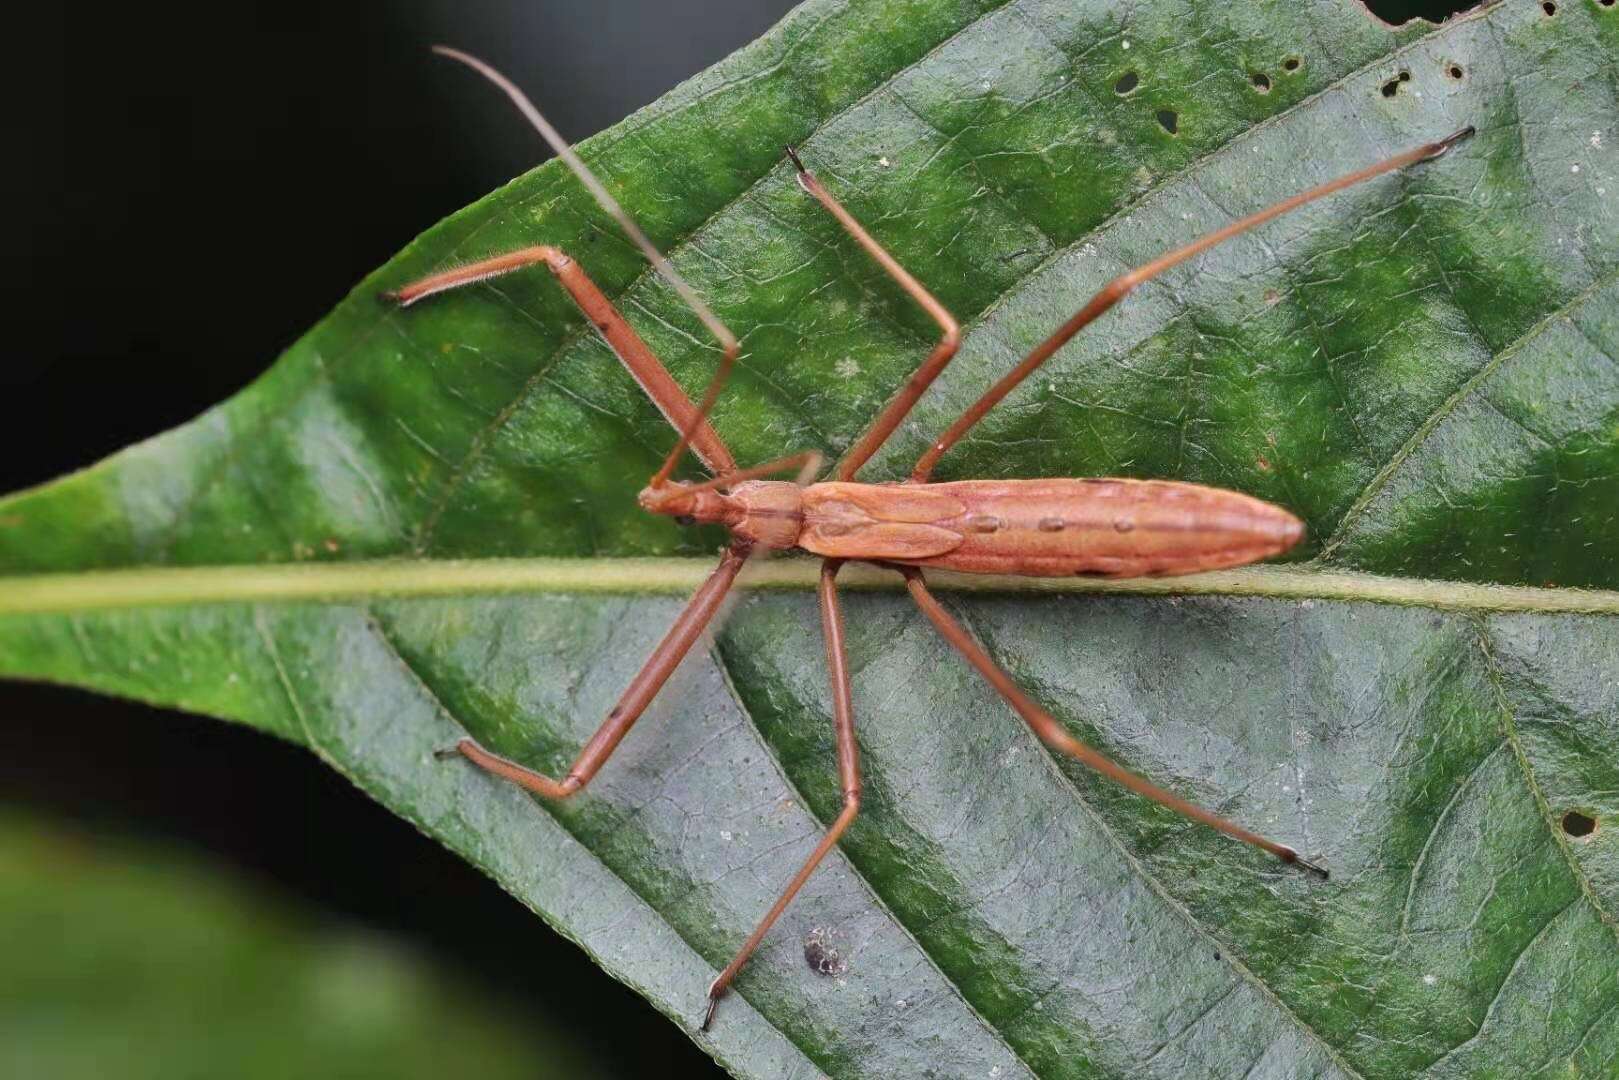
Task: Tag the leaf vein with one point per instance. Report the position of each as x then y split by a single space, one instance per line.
1359 507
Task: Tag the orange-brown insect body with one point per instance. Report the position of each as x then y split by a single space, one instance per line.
1042 528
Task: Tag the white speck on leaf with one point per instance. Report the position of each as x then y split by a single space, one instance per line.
847 368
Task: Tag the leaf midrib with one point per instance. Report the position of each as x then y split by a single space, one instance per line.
101 590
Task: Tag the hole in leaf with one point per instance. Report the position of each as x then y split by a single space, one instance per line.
1127 82
1606 3
1549 8
1391 88
1169 120
1400 12
1577 824
1291 63
1261 82
1454 71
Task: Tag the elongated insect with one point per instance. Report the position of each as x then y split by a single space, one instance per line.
1108 527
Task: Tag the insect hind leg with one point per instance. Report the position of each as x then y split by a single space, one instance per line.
1054 735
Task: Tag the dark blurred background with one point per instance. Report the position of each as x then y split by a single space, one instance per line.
189 189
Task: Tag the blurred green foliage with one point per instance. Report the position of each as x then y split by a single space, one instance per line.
131 962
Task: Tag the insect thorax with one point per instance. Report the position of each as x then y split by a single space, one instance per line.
768 512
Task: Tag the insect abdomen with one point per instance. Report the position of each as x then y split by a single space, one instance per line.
1113 528
1052 528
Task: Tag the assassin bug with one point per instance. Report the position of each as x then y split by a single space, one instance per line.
1043 528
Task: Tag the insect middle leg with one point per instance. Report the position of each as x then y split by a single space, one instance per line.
1054 735
677 641
848 774
949 333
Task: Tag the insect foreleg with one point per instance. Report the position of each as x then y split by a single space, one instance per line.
848 774
1054 735
632 703
690 423
634 353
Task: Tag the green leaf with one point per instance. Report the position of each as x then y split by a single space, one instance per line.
130 961
421 523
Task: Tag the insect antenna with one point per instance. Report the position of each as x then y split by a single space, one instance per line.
728 343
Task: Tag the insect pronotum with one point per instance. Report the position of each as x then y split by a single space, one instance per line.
1044 528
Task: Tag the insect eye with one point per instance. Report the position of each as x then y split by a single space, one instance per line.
685 519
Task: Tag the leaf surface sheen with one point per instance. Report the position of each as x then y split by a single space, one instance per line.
1424 368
